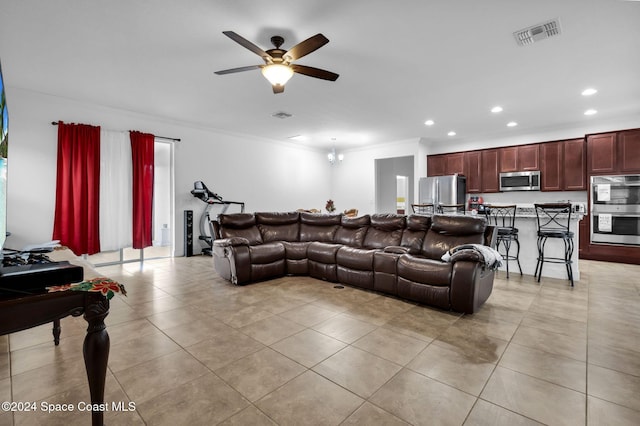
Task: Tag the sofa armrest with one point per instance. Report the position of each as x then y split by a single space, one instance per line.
232 259
471 285
486 255
468 255
231 242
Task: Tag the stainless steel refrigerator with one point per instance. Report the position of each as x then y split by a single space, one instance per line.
437 190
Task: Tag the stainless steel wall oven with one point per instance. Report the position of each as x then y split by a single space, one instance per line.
615 209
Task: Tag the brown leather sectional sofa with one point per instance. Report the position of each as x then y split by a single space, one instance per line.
389 253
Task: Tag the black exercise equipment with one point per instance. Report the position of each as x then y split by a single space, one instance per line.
211 199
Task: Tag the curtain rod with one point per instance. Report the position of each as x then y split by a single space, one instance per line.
55 123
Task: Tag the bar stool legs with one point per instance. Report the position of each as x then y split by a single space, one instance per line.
568 254
554 221
504 218
506 242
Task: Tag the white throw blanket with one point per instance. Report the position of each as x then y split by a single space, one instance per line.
492 258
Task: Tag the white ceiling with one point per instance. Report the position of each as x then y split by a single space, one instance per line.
400 63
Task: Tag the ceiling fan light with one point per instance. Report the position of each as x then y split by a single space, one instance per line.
277 74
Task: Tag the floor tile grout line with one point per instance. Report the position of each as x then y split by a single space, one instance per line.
589 322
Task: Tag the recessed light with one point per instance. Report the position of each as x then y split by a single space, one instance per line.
496 109
590 112
451 133
429 123
588 92
297 138
512 124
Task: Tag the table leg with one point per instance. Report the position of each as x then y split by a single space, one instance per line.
96 351
56 331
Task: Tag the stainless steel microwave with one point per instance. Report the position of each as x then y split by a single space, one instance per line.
520 181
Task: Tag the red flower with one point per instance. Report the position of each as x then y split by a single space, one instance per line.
105 287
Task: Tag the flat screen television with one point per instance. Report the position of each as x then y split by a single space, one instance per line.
4 145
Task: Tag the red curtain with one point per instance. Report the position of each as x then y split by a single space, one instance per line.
76 222
142 154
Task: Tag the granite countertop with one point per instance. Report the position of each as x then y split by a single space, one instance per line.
528 211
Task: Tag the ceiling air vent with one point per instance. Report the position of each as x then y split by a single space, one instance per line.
282 115
537 32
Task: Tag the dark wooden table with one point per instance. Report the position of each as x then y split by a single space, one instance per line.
22 312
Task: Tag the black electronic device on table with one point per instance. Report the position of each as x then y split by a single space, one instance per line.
33 272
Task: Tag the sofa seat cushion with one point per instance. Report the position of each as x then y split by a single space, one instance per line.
267 253
385 262
323 252
424 271
295 251
355 258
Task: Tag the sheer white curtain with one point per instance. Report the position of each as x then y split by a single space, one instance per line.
116 211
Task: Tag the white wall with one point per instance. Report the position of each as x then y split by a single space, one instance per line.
266 175
354 179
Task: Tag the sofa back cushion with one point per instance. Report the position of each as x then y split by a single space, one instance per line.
413 235
447 232
352 230
319 227
385 230
278 226
240 225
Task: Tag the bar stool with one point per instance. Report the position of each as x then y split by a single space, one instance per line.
423 208
504 218
553 222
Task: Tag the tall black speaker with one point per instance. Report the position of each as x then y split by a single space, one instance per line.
188 233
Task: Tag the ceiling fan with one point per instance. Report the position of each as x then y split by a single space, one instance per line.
278 67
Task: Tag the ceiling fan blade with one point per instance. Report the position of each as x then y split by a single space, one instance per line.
305 47
239 69
278 88
247 44
315 72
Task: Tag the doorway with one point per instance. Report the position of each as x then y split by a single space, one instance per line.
394 184
402 194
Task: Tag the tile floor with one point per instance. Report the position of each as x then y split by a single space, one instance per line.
190 348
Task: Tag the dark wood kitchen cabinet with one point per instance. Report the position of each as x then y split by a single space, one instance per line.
473 171
509 159
601 154
520 158
490 172
445 164
613 153
551 165
629 151
562 166
575 165
436 165
454 163
529 157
